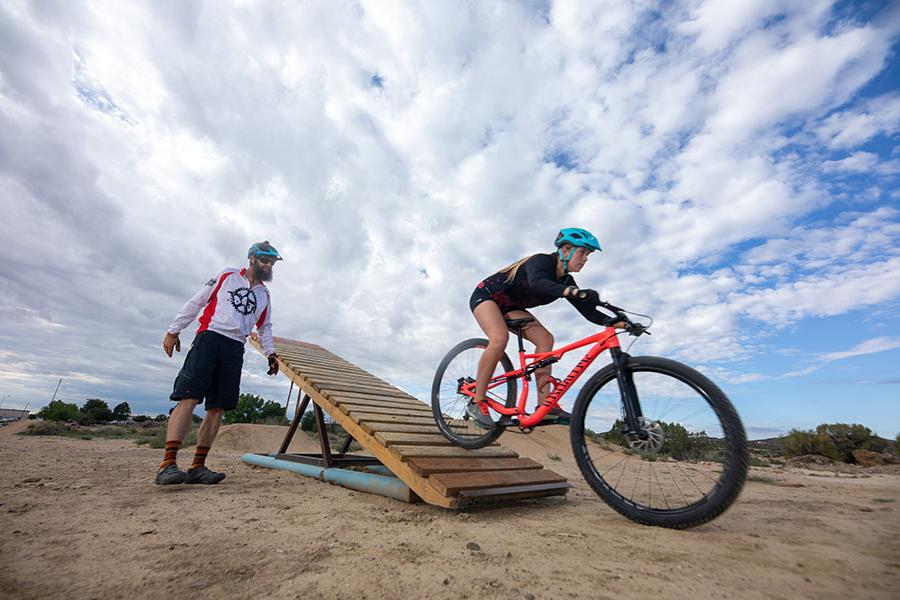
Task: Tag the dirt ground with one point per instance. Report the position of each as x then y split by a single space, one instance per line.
83 519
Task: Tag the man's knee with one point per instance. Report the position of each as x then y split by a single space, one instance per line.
187 404
214 413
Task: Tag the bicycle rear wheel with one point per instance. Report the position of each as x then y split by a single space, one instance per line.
459 366
688 468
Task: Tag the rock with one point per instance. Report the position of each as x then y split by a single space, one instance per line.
31 480
868 458
473 546
446 581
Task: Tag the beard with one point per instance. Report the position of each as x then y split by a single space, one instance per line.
260 274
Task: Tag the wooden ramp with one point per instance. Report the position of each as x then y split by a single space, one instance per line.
400 432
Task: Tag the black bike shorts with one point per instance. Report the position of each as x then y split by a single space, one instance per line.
502 300
211 371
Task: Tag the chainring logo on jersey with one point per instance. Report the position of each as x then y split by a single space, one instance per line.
243 300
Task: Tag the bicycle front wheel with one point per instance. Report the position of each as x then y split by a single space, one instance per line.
689 464
449 406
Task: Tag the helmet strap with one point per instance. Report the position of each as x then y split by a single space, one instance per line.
565 259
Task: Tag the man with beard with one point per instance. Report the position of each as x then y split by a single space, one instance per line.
232 303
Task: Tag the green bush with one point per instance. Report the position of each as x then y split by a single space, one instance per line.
58 410
680 443
156 438
897 445
798 443
95 410
254 409
308 421
47 428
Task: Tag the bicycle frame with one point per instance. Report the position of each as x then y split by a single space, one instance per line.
604 340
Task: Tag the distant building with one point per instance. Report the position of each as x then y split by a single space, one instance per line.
13 414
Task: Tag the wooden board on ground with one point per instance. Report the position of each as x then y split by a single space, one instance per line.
451 484
427 466
399 430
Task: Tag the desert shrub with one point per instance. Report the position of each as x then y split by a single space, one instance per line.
58 410
121 412
755 461
47 428
254 409
798 443
95 410
847 438
680 443
156 438
897 445
836 441
308 421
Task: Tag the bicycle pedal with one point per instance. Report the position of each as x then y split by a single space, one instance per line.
507 421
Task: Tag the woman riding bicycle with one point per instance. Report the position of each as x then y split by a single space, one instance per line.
532 281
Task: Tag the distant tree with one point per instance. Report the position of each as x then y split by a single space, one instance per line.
897 445
248 410
799 443
160 418
96 410
847 438
308 421
122 412
141 418
272 412
58 410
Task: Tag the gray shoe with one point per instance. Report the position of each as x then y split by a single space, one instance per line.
481 415
204 476
170 475
556 416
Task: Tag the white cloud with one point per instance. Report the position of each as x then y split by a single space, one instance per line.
390 201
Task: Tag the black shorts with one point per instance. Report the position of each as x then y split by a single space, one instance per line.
481 294
211 370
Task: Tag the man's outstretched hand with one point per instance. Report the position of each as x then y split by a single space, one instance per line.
273 364
171 341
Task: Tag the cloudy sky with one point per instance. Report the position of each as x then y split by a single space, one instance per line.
737 160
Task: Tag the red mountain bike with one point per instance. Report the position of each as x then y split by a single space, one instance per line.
658 441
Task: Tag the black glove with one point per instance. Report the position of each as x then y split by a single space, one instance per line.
590 295
273 364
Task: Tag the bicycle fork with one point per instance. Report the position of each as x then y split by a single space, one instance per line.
630 403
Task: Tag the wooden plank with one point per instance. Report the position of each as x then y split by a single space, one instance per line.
320 369
408 452
313 358
407 399
380 418
517 492
451 484
427 466
413 439
401 409
387 404
369 384
401 428
374 410
347 387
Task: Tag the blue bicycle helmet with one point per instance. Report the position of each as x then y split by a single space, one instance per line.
264 249
578 237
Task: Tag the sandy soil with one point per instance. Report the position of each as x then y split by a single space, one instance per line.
82 519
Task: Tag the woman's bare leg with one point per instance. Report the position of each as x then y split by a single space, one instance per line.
542 339
491 321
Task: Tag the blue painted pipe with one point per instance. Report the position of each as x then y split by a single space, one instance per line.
372 483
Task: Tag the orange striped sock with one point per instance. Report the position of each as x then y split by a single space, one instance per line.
200 457
172 447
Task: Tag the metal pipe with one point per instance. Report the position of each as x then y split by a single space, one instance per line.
383 485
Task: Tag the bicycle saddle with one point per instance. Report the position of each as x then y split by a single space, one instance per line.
516 324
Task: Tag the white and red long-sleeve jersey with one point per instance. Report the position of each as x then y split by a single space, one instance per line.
231 307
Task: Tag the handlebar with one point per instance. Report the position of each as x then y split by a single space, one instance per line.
635 329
